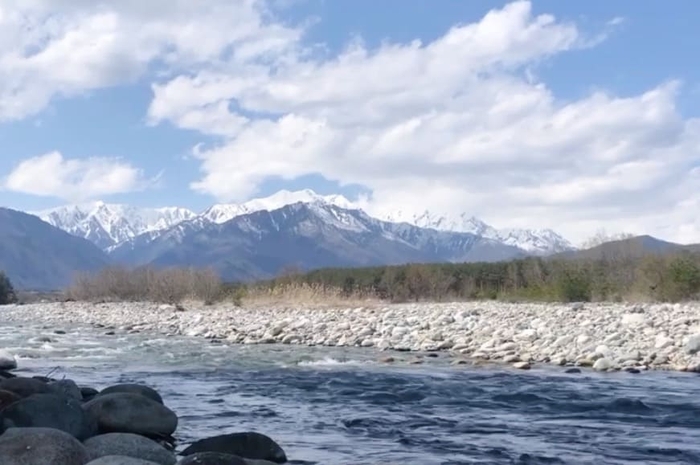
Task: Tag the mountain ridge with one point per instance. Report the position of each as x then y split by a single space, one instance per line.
38 256
259 244
109 225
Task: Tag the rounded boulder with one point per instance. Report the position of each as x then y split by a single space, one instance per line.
119 460
49 411
8 398
213 458
129 445
41 446
134 389
25 387
249 445
131 413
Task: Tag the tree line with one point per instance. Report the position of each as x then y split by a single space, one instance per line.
652 277
619 273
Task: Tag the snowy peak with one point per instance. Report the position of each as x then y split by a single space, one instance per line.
461 223
539 241
536 241
109 224
223 213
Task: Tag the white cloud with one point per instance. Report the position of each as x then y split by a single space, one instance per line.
52 175
459 124
51 48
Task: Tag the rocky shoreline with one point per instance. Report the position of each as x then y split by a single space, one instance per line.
605 337
50 421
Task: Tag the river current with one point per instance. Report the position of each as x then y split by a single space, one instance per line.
345 407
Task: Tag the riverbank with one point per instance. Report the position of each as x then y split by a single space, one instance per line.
605 337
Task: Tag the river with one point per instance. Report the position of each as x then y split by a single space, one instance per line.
343 406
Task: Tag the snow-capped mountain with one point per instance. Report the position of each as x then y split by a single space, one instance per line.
460 223
109 224
309 235
222 213
535 241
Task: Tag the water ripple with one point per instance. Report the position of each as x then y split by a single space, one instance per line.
339 406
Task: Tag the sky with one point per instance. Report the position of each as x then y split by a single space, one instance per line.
575 116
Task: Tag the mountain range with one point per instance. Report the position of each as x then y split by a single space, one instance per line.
108 225
258 238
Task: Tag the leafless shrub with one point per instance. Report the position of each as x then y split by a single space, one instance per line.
171 285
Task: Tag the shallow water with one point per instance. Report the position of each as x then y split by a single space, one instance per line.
339 406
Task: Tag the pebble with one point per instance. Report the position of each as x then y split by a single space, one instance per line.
606 336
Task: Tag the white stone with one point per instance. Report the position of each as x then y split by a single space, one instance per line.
367 343
564 340
527 335
663 341
603 350
693 345
634 319
507 346
602 364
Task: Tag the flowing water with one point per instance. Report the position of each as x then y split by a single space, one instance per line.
341 406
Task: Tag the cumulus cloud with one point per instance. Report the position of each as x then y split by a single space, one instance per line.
458 124
52 175
60 48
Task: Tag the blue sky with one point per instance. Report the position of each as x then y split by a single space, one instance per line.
318 115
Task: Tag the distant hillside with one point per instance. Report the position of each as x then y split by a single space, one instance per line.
634 247
38 256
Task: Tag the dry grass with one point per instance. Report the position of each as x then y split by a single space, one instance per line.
302 295
146 284
193 286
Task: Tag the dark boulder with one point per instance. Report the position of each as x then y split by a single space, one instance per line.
88 393
134 389
66 387
40 446
248 445
130 445
49 411
8 398
213 458
120 460
4 374
25 387
131 413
